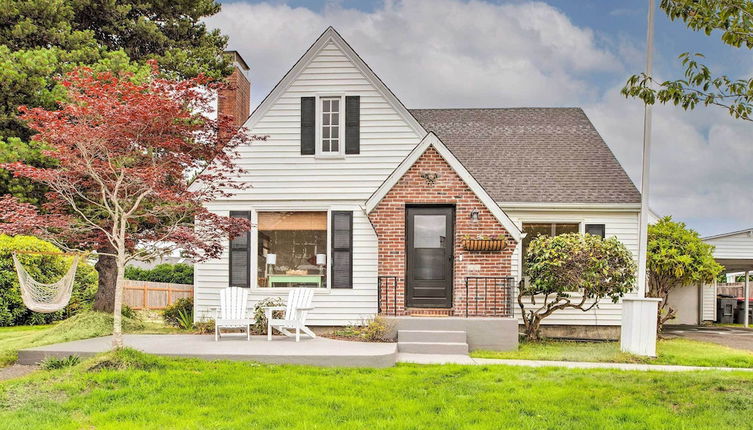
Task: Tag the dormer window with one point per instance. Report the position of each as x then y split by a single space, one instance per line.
330 125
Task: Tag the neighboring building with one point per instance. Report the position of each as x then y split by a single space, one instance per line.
359 196
697 304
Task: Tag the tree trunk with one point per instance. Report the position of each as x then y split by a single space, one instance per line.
117 323
107 268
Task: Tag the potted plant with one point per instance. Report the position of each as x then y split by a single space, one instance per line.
484 243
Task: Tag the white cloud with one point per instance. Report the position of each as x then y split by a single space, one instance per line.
452 53
432 53
701 160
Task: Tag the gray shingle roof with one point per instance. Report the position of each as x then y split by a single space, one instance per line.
550 155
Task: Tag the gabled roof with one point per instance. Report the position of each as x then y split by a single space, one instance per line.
732 233
546 155
331 35
431 140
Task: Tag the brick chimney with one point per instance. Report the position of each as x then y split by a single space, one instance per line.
235 101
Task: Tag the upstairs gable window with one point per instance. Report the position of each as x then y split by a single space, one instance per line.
331 125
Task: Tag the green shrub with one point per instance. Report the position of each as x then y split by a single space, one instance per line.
185 319
51 363
128 312
204 327
43 268
172 313
260 324
173 273
376 329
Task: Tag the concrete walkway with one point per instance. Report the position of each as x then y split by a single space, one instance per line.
280 350
464 359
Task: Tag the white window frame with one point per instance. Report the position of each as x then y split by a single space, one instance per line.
319 153
254 251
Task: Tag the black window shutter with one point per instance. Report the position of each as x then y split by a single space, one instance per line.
596 230
352 124
308 125
342 249
240 262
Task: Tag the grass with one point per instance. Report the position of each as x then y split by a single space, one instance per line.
128 389
674 351
80 326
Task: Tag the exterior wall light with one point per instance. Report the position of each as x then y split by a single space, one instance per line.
475 215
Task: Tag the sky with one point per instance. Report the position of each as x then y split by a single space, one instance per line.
496 53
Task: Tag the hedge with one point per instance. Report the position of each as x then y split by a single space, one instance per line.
174 273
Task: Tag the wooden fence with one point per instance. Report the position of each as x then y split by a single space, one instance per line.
154 295
736 289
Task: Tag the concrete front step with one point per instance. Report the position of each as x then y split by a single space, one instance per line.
431 336
433 347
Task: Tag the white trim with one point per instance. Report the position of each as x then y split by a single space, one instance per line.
318 111
331 35
431 140
605 207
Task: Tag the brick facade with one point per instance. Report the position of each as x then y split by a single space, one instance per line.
389 217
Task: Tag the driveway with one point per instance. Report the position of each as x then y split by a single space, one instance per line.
734 337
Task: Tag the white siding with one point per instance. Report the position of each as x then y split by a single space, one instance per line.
276 169
281 178
333 306
623 225
736 246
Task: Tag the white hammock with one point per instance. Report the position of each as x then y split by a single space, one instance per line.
45 298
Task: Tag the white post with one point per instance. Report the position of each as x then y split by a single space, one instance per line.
746 298
638 332
646 167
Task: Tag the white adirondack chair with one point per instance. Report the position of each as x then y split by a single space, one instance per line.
299 304
233 311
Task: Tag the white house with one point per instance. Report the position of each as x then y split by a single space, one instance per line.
374 204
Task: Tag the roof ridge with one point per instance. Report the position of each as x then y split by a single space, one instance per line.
502 108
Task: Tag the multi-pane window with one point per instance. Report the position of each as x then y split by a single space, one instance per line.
331 125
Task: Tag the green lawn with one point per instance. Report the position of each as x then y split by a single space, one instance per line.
131 390
81 326
675 351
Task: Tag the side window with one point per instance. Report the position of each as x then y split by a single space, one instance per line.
596 230
534 230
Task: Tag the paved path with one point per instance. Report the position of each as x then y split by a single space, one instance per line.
464 359
281 350
733 337
15 371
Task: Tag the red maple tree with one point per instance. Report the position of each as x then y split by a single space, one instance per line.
137 159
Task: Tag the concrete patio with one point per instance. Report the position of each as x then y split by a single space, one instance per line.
281 350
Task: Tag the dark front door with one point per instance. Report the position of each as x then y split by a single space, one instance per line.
429 246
